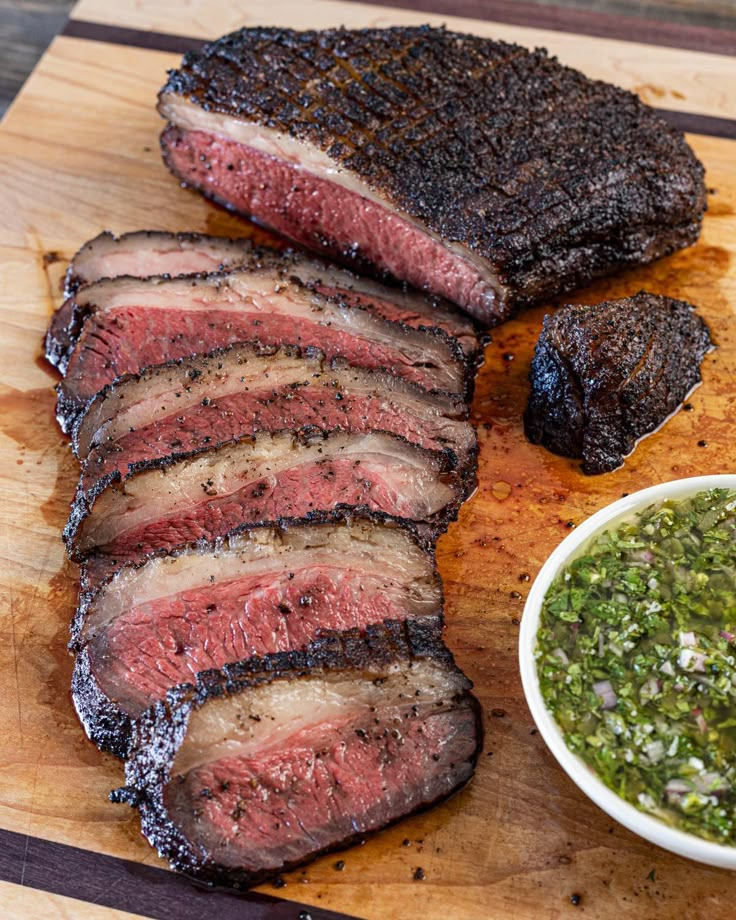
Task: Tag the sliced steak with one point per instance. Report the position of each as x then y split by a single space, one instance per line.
173 409
604 376
131 324
474 169
268 763
146 253
166 503
259 591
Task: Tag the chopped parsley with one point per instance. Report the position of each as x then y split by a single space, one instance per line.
636 655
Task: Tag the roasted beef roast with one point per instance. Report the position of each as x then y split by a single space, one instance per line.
147 253
165 503
264 764
605 375
258 591
124 325
172 409
474 169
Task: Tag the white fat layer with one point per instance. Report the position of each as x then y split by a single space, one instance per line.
154 253
264 718
259 292
159 393
192 117
153 495
374 549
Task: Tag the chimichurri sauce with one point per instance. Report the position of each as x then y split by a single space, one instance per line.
636 658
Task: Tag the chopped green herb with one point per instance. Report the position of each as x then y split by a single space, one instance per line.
636 656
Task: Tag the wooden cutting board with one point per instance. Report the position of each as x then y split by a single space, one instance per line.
78 153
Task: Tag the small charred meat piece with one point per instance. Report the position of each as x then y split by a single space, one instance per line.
123 325
474 169
146 253
269 762
172 409
258 591
605 375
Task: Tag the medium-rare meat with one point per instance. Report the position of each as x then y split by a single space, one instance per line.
259 591
475 169
265 764
150 252
604 376
173 409
143 253
165 503
130 324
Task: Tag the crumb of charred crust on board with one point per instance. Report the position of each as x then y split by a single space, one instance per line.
419 875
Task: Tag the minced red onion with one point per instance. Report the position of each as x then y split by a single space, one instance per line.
691 661
726 635
687 639
605 691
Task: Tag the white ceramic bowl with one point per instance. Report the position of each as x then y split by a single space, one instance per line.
579 772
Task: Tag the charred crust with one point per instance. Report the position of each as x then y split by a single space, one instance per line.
104 721
604 376
551 177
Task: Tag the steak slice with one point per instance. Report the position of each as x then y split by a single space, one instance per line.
132 324
604 376
165 503
267 763
154 252
474 169
256 592
173 409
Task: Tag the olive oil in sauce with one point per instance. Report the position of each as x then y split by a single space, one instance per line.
636 656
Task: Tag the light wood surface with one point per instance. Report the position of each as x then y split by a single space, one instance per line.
78 153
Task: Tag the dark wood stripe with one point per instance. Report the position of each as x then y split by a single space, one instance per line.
579 21
136 38
693 123
161 41
534 15
139 889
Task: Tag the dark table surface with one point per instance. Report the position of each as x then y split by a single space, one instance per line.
27 27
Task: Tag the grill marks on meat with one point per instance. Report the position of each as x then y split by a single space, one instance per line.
171 410
166 503
471 168
257 592
124 325
263 765
604 376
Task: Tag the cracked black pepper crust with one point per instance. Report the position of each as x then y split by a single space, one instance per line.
603 376
552 177
159 733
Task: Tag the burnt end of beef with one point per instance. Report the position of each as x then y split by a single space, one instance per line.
125 325
265 764
147 253
604 376
256 592
165 503
474 169
171 410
